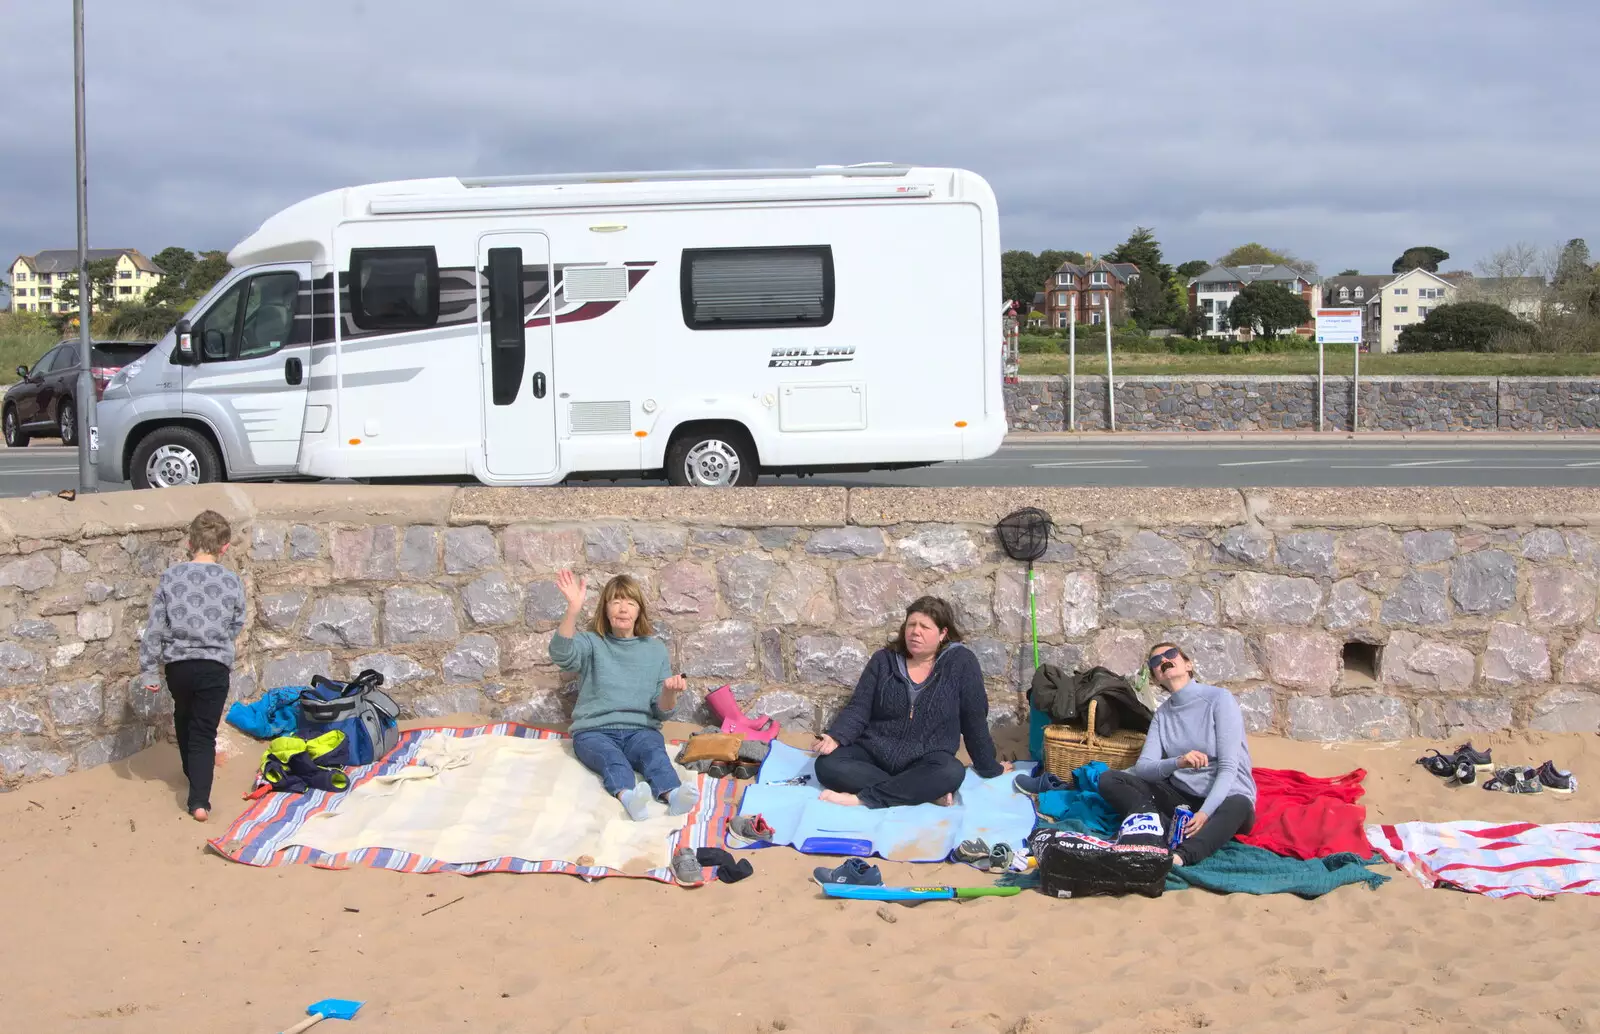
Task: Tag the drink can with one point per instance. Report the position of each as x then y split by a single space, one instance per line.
1180 817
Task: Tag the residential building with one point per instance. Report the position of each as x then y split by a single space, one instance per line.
1214 290
1522 296
36 278
1404 300
1089 286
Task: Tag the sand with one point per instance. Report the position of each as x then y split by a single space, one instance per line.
118 919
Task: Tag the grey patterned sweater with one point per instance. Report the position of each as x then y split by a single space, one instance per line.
196 614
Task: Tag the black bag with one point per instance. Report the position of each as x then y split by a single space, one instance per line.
365 714
1076 865
1065 697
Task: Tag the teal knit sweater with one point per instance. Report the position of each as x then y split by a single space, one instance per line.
620 680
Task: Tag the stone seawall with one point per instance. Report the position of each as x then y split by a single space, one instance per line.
1200 403
1376 614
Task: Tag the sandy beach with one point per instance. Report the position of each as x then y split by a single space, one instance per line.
119 918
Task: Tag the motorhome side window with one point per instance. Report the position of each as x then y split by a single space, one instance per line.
394 288
736 288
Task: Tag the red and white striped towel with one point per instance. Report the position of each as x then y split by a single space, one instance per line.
1499 860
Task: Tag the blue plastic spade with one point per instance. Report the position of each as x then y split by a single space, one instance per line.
327 1009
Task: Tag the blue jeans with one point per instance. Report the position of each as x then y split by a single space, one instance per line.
617 753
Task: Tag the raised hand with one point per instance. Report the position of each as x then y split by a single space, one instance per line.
573 588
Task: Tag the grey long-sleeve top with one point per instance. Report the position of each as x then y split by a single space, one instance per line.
1204 718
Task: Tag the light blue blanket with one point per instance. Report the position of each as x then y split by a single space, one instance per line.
987 809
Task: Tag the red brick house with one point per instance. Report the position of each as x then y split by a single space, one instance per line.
1091 284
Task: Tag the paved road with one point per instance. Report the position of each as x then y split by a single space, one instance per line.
1195 464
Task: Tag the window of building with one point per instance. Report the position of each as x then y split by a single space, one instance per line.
124 274
1401 290
43 278
20 276
1062 319
124 290
1061 299
1360 292
1344 294
1063 279
1098 279
1402 308
1094 318
734 288
22 307
1423 310
394 288
44 292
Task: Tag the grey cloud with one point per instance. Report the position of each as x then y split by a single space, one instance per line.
1344 134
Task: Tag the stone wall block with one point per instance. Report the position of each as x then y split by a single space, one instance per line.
746 578
267 540
946 548
30 574
418 616
1419 599
802 594
347 621
687 587
1559 597
1567 709
1303 660
829 660
723 650
1265 599
1149 555
1484 582
1011 600
1428 547
871 595
1515 657
1413 662
1357 717
1307 552
532 548
469 549
290 669
493 599
845 543
605 543
475 658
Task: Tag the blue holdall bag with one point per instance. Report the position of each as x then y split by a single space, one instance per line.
365 714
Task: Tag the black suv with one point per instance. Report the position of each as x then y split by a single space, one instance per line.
41 403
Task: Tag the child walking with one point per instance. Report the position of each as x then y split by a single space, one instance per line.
195 616
625 692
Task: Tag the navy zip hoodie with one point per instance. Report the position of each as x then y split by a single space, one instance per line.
951 705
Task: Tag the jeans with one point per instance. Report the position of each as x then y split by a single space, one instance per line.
615 754
852 770
199 690
1129 795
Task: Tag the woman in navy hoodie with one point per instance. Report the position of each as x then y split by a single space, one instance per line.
895 742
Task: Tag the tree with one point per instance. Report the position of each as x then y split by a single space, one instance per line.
102 277
176 265
143 320
1268 308
1024 274
1349 272
1461 327
211 267
1253 254
1147 297
1573 266
1422 257
1191 269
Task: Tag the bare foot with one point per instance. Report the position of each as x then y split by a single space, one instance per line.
946 801
849 800
200 814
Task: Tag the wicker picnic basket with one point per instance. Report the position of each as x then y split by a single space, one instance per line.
1067 748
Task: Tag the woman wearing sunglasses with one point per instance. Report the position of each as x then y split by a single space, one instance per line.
1196 755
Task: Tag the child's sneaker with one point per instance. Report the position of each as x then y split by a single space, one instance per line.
745 830
1517 779
1480 758
1040 782
1555 780
854 872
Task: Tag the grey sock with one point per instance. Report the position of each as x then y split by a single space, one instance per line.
635 801
682 800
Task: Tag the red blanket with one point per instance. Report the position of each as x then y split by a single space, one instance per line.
1305 817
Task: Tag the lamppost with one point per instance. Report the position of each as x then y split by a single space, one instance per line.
87 429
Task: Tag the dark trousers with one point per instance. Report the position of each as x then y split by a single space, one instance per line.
615 754
852 770
199 691
1130 795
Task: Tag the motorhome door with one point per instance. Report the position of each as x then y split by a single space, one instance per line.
514 335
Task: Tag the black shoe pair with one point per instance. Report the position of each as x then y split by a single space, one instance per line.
1461 766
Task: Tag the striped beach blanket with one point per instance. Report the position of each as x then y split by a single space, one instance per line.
1500 861
518 790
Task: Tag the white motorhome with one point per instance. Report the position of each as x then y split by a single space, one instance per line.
702 326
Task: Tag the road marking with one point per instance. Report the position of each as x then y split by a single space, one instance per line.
32 471
1475 466
1429 463
1081 463
1260 463
1594 463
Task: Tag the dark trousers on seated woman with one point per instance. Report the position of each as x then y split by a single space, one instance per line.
1129 795
852 770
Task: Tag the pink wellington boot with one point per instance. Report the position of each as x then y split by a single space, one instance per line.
733 719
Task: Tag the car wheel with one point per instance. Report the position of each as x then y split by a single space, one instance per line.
720 458
67 422
171 456
16 437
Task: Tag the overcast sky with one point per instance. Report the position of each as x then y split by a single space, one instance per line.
1342 132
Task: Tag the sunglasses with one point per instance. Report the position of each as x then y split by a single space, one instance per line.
1157 661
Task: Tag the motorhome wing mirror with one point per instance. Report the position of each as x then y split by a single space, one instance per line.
185 352
22 371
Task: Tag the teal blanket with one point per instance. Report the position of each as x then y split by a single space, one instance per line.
1234 869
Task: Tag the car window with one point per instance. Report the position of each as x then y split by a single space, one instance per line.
268 314
118 353
66 358
50 361
218 327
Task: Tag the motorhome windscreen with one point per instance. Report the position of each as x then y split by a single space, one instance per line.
758 287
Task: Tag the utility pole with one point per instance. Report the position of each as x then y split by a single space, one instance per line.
87 429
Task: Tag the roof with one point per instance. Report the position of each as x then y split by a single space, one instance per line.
1123 271
1370 286
64 261
1250 274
